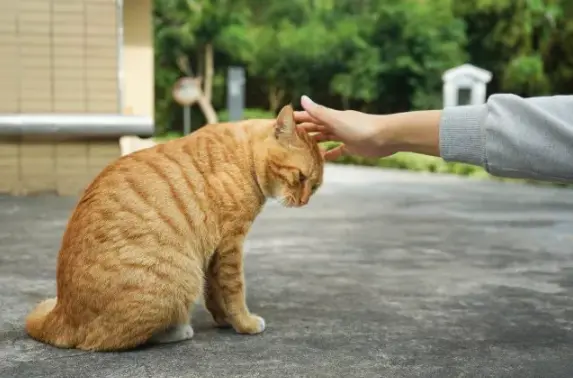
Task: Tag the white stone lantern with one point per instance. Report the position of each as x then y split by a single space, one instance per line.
465 85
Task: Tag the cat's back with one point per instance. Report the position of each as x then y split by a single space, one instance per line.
203 149
195 154
199 152
175 186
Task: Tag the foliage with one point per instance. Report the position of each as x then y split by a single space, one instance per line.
524 74
429 164
223 116
248 114
522 43
377 56
372 55
413 162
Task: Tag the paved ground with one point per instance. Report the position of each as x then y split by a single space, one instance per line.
385 274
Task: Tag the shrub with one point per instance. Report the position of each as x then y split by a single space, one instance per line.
412 162
248 113
167 136
223 116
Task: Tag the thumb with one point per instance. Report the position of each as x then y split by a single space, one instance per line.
320 112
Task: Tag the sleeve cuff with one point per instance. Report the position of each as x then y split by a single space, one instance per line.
462 134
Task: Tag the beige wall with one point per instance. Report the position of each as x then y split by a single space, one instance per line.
37 166
61 56
138 58
58 56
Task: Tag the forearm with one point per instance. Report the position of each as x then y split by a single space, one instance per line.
508 136
512 137
417 131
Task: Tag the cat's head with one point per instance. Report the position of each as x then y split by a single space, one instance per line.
294 162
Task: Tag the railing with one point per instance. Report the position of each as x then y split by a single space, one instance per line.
80 125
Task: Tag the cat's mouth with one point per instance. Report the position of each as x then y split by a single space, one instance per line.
288 202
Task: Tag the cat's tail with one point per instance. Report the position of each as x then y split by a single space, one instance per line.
44 323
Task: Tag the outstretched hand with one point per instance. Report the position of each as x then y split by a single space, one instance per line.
359 133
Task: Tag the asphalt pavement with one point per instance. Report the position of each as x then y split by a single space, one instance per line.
383 274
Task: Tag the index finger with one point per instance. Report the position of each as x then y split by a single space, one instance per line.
303 116
310 127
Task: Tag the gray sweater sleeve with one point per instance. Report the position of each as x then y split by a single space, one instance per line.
512 136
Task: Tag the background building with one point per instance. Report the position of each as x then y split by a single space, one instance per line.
75 76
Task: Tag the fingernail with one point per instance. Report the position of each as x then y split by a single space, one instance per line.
306 101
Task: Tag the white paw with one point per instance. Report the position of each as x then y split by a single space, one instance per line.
174 334
262 324
250 325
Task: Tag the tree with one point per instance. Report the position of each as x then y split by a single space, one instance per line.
187 35
418 41
218 24
558 53
374 55
512 38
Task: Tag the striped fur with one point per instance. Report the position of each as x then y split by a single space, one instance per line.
159 227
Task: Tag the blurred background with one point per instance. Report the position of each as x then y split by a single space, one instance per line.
377 56
374 55
83 81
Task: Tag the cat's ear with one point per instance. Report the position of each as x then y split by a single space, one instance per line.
285 127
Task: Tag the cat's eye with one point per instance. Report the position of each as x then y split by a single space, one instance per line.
301 177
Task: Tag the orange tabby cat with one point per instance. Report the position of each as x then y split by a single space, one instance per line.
163 225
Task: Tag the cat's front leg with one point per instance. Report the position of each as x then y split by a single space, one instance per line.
213 297
227 271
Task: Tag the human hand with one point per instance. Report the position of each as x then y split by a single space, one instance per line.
360 133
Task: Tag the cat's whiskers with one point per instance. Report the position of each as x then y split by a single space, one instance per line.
284 200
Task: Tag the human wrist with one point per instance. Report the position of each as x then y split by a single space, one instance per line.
416 131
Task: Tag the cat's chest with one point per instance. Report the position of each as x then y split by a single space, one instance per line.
235 198
237 215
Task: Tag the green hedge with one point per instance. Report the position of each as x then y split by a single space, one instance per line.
166 137
413 162
248 113
223 116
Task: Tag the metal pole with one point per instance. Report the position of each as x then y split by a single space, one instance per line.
235 93
186 120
